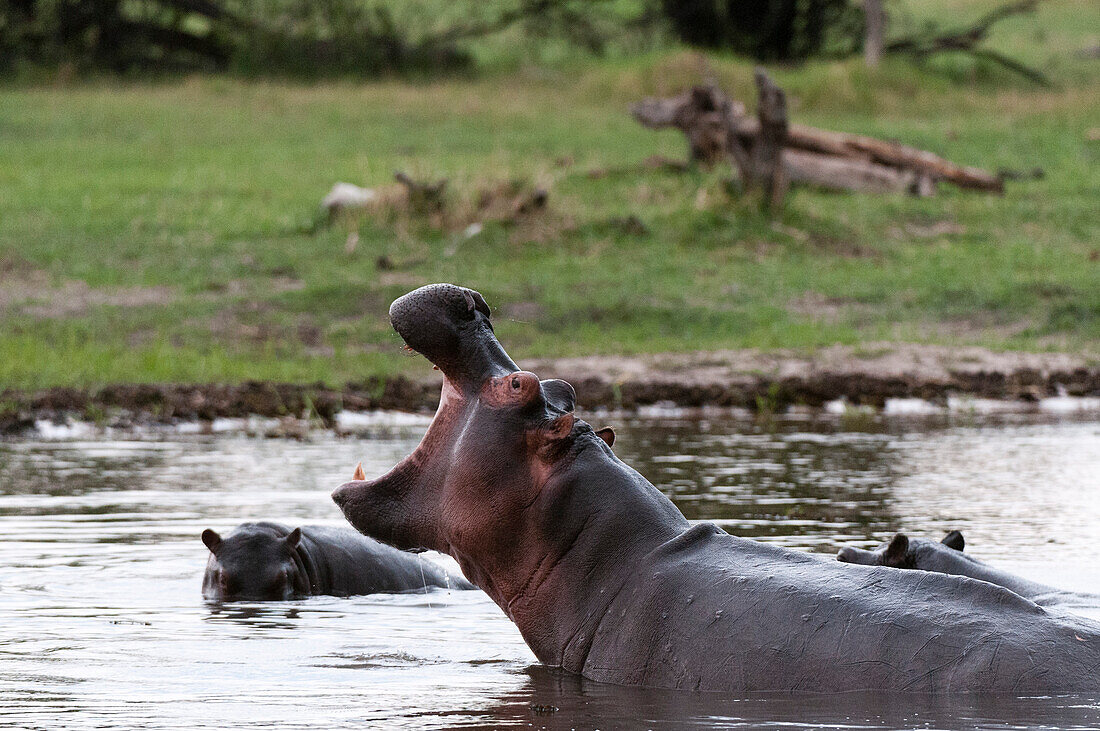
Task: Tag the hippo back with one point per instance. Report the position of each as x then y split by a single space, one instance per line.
772 619
343 562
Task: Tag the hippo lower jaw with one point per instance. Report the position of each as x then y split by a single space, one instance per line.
380 508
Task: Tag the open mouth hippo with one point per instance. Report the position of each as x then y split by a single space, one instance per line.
270 562
947 557
604 577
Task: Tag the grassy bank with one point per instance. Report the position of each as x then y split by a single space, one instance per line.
164 233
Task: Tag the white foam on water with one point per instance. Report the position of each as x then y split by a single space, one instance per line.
48 429
975 405
362 420
1069 404
910 407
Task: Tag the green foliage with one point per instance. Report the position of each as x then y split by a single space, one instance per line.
115 35
334 38
305 38
154 232
295 37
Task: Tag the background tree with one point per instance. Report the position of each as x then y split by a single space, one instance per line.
875 33
768 30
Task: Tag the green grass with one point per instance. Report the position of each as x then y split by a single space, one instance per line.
206 188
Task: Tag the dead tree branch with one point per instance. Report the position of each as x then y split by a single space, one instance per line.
768 154
967 40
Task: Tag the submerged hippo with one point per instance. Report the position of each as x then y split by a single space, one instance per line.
270 562
604 577
947 557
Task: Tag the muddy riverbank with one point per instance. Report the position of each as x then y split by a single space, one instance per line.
869 375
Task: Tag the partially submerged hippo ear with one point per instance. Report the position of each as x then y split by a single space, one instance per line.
954 539
211 539
895 552
607 434
293 538
359 473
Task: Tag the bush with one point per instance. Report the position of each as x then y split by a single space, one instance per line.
261 36
768 30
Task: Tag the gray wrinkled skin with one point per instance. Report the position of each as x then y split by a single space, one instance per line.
270 562
605 577
710 611
947 557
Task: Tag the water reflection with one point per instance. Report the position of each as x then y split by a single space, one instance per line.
102 623
269 616
554 700
766 481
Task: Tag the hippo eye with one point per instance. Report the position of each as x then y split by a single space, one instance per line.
515 382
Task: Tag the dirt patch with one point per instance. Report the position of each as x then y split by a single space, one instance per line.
736 378
830 310
34 293
974 326
523 311
276 284
869 374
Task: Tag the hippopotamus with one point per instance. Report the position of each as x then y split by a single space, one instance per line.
605 577
270 562
946 557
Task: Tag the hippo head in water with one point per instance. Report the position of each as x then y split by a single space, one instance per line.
491 481
256 562
903 552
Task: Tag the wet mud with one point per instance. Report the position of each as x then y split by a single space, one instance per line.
769 381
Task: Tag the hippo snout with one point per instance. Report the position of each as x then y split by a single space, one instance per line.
449 325
430 318
343 495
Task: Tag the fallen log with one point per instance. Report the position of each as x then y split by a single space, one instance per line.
703 113
717 129
841 173
885 152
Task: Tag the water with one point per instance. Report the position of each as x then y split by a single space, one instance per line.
102 624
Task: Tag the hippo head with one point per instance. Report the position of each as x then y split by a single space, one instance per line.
497 441
902 552
255 562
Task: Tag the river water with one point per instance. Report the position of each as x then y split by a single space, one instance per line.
102 624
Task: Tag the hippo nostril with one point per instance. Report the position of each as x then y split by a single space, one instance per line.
515 382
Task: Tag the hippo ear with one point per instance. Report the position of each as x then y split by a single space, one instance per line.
211 539
607 434
896 550
293 538
954 539
560 427
474 301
